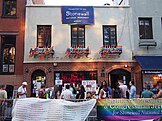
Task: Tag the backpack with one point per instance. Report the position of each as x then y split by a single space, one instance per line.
110 90
42 94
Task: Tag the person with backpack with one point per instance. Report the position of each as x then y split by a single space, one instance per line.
117 91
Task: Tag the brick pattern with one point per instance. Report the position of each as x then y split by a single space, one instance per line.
15 24
77 66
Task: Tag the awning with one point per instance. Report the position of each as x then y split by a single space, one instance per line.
150 62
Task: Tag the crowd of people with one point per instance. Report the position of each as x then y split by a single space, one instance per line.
120 90
71 91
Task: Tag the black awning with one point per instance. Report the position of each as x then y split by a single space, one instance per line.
150 62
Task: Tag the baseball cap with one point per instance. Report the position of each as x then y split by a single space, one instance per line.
24 83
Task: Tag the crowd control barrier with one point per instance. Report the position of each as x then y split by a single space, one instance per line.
106 109
6 109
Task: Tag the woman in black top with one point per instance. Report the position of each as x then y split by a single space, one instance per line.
81 93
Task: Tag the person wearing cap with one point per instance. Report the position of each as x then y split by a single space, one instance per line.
22 92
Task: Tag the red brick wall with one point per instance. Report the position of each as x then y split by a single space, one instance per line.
16 24
84 66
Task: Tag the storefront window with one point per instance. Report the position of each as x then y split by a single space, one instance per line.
8 54
75 77
151 79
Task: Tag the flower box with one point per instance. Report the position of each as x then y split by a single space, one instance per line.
42 52
110 50
77 52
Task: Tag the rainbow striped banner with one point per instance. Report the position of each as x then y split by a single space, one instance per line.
129 109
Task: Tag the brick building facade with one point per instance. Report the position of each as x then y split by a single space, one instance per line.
12 28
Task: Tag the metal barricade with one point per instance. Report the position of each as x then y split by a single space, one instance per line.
6 110
93 115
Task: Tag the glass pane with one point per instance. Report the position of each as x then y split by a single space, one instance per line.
74 42
12 55
145 29
5 55
78 36
10 7
44 36
147 23
109 35
141 22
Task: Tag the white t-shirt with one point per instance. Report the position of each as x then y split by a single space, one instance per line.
22 90
123 90
67 94
3 94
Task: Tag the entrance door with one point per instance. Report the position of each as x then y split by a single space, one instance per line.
117 74
38 78
9 89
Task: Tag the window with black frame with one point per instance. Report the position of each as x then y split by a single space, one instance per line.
9 8
8 54
145 28
44 36
78 36
109 35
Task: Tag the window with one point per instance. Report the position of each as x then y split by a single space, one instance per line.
8 54
78 36
109 36
9 7
44 36
145 28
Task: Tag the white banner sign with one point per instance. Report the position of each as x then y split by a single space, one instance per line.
35 109
89 85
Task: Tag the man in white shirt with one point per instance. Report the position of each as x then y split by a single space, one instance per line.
67 94
3 93
22 92
123 88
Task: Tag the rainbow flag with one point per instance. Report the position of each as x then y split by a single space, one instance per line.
129 109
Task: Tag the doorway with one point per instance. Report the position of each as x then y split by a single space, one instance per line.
38 77
9 89
117 74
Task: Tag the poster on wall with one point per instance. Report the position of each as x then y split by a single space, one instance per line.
89 85
5 68
11 68
58 82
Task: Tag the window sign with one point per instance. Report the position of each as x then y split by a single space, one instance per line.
58 82
77 15
5 68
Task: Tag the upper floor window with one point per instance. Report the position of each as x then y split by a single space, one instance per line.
145 28
8 54
44 36
9 8
77 36
109 35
